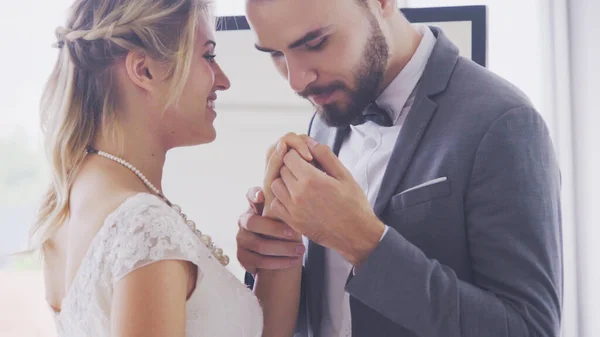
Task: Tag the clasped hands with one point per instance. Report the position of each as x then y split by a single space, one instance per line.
308 192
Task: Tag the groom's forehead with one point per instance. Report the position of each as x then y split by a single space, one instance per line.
291 19
303 10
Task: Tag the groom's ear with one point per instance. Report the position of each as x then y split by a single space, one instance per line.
387 7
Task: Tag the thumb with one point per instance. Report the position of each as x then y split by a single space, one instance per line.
256 200
328 161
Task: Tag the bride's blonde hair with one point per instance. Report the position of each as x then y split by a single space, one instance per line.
80 95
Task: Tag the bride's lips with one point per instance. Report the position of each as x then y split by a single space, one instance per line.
210 102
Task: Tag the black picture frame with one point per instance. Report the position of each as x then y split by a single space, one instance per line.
476 14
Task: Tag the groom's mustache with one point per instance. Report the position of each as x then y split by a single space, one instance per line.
317 90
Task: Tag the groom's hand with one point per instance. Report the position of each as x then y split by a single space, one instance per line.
264 243
326 204
274 163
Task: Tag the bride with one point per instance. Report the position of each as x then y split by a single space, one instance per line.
133 80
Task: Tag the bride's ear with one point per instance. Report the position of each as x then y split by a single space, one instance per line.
143 71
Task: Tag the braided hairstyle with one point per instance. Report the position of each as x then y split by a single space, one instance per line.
80 99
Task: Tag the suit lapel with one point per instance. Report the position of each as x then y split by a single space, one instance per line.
404 149
434 80
315 256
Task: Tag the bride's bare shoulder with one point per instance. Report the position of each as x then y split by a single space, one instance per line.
99 189
92 199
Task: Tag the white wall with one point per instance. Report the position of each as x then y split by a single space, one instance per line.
255 82
209 182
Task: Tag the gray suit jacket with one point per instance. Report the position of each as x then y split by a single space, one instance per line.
476 255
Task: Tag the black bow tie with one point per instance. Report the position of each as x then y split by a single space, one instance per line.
374 114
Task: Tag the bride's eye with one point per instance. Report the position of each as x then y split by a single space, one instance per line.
210 57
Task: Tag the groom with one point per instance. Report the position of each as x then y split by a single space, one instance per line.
439 214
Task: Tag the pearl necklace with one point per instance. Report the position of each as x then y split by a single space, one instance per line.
206 239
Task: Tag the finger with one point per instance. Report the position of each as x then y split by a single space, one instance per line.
327 160
291 141
276 154
298 143
269 247
298 166
281 212
256 199
254 209
272 171
265 226
282 195
255 195
288 178
252 261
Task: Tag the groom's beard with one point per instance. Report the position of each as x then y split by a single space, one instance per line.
368 75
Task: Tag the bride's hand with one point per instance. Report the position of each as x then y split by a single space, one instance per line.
274 162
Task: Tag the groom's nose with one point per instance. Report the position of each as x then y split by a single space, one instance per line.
299 75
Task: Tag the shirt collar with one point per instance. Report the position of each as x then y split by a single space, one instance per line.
394 97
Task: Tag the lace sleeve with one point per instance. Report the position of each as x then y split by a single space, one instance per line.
147 234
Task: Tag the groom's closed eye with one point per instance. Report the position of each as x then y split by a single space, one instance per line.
317 44
313 41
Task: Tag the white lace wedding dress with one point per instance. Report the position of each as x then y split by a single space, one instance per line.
141 231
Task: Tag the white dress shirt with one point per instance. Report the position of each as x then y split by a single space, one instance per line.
366 152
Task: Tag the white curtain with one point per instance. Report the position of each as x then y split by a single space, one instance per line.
557 92
583 36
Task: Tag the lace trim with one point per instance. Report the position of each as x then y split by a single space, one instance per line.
150 234
142 230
